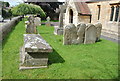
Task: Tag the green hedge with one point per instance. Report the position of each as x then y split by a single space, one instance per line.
24 9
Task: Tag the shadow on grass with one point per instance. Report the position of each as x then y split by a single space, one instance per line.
99 40
54 57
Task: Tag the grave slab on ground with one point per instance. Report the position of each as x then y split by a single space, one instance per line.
34 53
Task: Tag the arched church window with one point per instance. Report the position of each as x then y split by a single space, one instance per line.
117 13
112 13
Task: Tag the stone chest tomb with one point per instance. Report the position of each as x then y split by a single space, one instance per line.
34 53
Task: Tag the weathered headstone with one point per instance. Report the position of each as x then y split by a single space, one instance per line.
90 34
48 23
34 53
81 32
99 28
31 27
37 21
70 34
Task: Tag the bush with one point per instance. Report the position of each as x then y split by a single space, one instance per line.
24 9
6 13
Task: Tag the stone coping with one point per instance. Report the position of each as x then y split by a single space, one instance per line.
35 43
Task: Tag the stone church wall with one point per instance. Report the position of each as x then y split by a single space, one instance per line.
110 28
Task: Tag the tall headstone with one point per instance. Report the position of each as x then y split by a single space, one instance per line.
48 21
99 28
70 34
59 29
81 32
62 11
37 21
90 34
31 27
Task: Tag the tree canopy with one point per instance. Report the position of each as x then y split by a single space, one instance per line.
5 4
24 9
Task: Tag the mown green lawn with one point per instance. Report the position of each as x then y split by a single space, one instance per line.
93 61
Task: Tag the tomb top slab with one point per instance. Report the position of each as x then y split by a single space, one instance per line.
35 43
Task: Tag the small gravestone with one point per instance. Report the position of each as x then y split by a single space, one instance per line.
70 34
34 53
31 27
26 23
90 34
48 21
37 21
99 28
58 30
81 33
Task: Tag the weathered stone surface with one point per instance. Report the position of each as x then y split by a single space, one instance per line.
99 28
37 21
81 33
33 59
90 34
70 34
7 27
58 30
29 60
35 43
31 27
34 53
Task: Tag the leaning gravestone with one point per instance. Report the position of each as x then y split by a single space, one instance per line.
81 32
70 34
34 53
90 34
99 28
48 21
37 21
31 27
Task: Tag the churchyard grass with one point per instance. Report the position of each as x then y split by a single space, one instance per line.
90 61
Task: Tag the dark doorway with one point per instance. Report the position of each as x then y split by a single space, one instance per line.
71 16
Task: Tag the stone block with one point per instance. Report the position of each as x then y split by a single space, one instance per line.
58 31
34 53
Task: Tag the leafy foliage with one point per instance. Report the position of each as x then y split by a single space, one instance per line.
5 4
24 9
6 13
